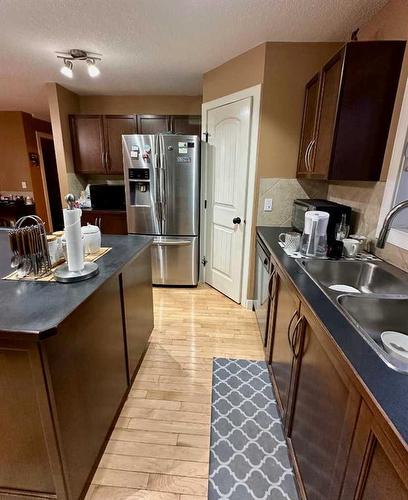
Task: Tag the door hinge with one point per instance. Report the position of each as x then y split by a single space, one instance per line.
204 261
206 136
205 204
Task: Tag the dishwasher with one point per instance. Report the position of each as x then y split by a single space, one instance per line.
264 272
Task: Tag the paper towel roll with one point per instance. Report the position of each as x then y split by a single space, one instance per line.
73 238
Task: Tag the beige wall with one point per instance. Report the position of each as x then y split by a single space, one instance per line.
14 162
147 104
62 103
17 140
245 70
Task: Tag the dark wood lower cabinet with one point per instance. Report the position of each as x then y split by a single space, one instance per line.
340 447
136 283
287 314
376 469
322 418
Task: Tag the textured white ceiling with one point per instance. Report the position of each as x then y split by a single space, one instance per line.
151 46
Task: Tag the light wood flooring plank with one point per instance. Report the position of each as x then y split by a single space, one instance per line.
154 465
143 436
157 451
178 484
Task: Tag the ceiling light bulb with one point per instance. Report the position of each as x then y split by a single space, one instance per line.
66 70
93 71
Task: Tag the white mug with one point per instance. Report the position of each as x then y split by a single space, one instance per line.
351 247
290 241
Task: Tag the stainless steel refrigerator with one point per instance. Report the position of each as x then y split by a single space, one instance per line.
162 184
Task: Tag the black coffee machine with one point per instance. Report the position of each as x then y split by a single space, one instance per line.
335 210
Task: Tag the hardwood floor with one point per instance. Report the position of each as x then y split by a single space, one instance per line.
159 449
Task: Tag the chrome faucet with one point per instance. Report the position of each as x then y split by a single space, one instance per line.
387 222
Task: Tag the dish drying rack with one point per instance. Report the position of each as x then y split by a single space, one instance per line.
29 247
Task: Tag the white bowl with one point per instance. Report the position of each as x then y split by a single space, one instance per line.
396 344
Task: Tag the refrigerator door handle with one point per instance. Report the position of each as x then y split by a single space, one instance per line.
156 166
162 177
170 243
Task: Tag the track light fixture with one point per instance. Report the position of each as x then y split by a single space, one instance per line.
93 70
66 70
79 55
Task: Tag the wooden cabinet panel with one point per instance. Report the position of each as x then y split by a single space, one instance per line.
287 314
115 127
309 124
273 292
138 306
330 88
353 112
153 124
376 469
323 417
24 461
87 372
88 143
186 124
370 81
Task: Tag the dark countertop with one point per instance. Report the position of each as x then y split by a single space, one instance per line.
388 387
32 308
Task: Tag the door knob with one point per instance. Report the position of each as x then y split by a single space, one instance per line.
236 220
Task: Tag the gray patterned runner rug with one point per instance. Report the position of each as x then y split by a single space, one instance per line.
249 457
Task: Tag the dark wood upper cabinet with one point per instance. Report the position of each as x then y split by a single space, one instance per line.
186 124
97 142
353 112
97 139
309 123
153 124
88 143
115 127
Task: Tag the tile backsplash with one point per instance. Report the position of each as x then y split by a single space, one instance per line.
365 198
283 192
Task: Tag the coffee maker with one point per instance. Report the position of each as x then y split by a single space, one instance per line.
314 237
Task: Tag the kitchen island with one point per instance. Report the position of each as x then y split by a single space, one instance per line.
68 355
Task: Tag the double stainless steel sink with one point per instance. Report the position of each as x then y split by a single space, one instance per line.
377 300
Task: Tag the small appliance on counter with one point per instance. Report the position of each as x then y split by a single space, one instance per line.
335 211
314 237
107 196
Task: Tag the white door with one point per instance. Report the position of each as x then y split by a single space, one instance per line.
228 130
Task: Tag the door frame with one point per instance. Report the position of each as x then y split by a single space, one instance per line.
255 93
39 136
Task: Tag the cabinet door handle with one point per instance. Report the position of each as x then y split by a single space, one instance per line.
309 155
100 223
296 333
290 326
270 286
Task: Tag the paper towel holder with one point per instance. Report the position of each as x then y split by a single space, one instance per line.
64 275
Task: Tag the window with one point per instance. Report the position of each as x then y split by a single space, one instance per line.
396 189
